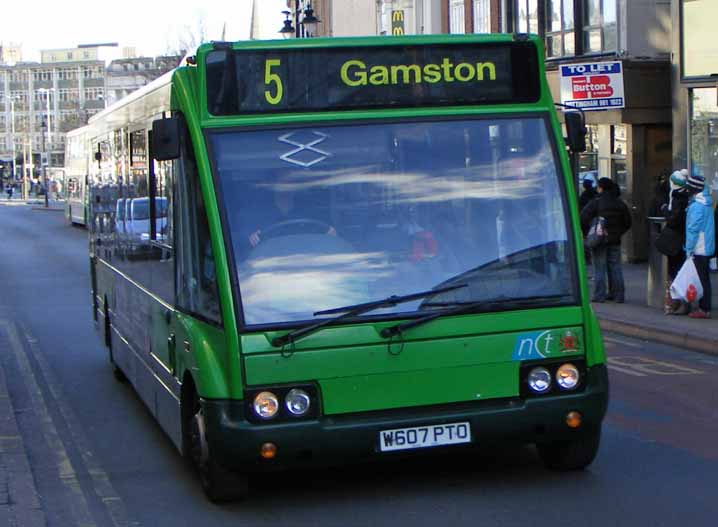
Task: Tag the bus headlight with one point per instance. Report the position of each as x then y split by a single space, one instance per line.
539 380
265 405
567 376
297 402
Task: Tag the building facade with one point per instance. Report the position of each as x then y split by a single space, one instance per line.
41 102
127 75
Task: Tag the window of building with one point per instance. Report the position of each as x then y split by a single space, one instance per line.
599 26
704 133
482 16
569 27
699 46
559 28
457 19
527 16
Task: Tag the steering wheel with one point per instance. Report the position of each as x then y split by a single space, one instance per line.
298 226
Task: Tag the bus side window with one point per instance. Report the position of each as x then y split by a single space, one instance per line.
196 280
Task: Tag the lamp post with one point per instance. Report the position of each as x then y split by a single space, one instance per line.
12 132
43 165
47 106
305 23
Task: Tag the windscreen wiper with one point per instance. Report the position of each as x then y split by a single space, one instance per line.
460 308
354 310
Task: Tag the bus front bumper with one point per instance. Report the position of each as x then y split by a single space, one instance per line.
339 439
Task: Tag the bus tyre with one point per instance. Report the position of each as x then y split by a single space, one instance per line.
575 454
219 484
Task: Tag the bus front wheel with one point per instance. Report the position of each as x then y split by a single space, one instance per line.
575 454
219 484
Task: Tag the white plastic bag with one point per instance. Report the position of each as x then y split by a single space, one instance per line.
687 285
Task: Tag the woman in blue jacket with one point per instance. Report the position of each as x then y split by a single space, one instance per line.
700 239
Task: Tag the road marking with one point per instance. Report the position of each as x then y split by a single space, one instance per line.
612 366
100 480
615 340
642 367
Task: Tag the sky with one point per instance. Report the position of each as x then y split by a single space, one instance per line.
154 27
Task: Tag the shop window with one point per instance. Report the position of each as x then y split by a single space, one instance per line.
588 160
619 172
704 134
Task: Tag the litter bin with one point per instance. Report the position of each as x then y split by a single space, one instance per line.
657 265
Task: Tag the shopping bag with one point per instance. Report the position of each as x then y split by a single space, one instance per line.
687 284
597 233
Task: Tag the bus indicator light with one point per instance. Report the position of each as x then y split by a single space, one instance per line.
573 419
268 451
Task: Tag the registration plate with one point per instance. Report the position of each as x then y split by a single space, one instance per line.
424 436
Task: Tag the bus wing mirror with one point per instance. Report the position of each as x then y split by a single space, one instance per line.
576 131
166 138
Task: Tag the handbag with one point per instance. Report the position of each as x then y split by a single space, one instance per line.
669 242
687 284
597 233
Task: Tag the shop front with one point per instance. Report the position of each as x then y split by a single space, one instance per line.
628 141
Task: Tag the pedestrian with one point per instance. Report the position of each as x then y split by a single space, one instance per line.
588 193
675 232
700 239
607 257
9 190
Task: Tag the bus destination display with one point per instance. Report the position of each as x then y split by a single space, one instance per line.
296 80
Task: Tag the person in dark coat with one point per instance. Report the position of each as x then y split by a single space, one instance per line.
675 214
607 257
587 195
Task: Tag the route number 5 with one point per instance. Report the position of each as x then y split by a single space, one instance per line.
272 78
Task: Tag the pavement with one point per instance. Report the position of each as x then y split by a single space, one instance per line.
36 202
636 319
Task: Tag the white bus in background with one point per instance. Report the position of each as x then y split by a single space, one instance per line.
75 176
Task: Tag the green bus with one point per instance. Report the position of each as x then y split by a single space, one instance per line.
326 251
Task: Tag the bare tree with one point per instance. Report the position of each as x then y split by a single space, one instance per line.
188 38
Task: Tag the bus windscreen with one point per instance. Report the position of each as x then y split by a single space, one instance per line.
345 78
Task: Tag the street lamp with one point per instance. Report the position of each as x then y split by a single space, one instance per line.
287 30
11 100
304 28
310 21
47 91
44 163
